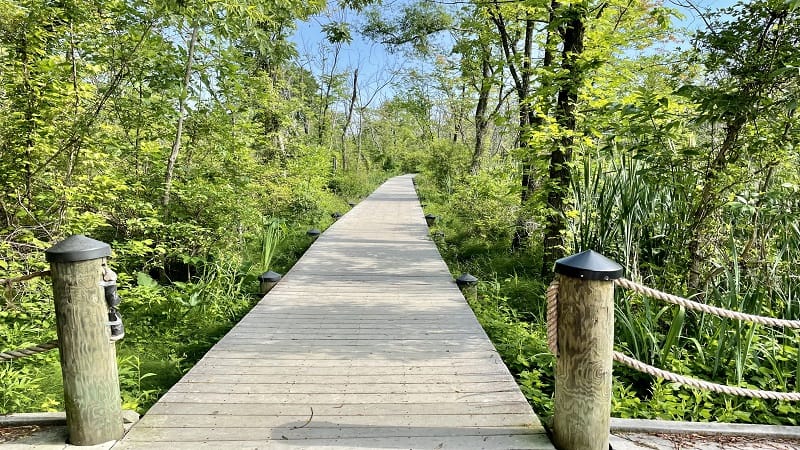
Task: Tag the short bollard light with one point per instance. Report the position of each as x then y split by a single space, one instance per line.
468 285
352 204
430 219
268 280
336 215
313 233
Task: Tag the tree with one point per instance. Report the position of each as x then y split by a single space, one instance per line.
750 54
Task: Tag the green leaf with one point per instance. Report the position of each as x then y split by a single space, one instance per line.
144 280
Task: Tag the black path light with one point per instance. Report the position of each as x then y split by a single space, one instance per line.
430 219
268 280
468 285
313 233
352 204
336 215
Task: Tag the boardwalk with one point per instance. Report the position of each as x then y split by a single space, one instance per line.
366 343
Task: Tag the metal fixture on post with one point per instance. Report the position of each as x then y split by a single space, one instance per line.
468 285
268 280
336 215
113 300
582 406
88 357
313 233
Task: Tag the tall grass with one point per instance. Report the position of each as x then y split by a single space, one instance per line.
622 208
272 231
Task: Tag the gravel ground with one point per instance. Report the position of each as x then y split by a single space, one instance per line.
8 434
664 441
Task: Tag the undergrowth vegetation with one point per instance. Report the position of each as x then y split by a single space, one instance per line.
628 221
178 298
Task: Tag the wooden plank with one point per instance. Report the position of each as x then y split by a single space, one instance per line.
515 441
343 409
351 376
346 387
288 433
225 359
339 398
370 333
317 420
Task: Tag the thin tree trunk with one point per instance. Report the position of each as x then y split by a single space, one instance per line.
74 151
706 203
348 118
176 144
325 98
481 119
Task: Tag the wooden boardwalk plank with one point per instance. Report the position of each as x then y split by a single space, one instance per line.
365 343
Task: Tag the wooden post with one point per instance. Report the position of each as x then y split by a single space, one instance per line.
88 357
585 345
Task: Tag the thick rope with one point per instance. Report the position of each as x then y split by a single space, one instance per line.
552 344
29 276
552 317
688 304
29 351
702 384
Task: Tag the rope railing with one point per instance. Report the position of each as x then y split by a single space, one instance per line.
552 340
11 355
635 364
702 307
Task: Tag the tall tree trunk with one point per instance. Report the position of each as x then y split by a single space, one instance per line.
176 144
349 118
560 157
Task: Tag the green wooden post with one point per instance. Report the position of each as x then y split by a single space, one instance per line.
582 409
88 357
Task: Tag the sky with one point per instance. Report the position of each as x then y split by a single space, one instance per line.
375 64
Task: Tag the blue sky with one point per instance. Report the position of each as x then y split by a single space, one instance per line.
375 64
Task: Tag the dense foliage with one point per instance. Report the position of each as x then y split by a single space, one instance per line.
188 136
681 166
181 134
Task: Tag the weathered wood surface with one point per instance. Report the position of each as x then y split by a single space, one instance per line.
365 343
88 357
583 370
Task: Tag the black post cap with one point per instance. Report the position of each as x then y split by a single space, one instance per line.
270 277
77 248
589 265
466 279
313 232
